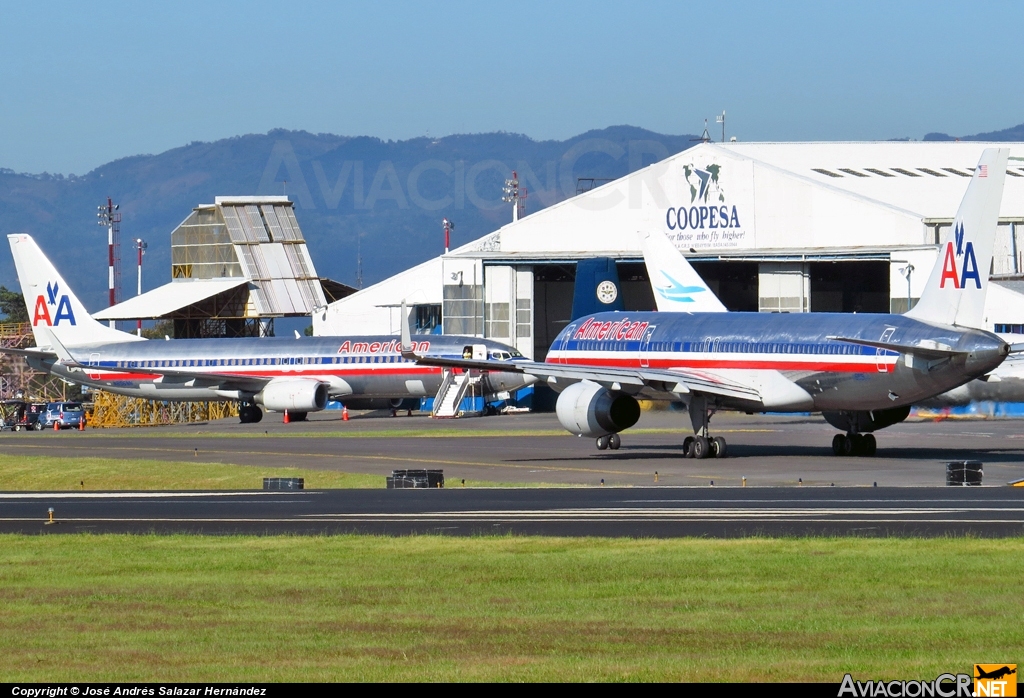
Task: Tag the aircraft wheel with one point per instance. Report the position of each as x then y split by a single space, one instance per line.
614 442
244 414
297 416
688 447
848 444
718 447
869 446
602 443
257 414
837 444
701 447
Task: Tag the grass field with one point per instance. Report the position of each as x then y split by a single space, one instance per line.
133 608
43 473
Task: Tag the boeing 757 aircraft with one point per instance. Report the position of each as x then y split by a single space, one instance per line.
273 373
862 371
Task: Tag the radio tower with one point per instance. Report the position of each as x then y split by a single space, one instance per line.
110 217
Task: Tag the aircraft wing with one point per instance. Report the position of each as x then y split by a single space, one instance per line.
217 381
32 351
680 381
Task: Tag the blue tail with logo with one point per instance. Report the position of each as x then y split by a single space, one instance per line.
597 287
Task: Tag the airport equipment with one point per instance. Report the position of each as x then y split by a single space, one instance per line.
114 411
964 472
406 479
863 372
283 483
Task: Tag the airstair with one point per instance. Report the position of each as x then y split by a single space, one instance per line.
454 387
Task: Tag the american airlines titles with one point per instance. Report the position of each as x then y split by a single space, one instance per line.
392 347
619 330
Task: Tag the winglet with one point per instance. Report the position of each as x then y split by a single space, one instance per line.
407 350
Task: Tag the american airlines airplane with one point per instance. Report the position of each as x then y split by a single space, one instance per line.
862 371
273 373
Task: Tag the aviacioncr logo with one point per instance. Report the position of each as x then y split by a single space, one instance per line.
61 305
968 265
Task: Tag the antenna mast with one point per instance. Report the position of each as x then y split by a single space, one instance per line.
110 217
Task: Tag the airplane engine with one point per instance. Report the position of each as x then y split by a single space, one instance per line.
587 409
866 421
294 395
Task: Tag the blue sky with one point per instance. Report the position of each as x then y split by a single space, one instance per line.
84 83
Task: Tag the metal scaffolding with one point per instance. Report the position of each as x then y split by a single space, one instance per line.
110 410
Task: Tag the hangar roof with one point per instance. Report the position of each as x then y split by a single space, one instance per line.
730 199
168 298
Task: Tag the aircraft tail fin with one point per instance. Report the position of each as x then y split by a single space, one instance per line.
677 286
597 287
52 306
955 291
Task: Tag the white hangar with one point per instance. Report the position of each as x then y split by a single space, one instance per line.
772 227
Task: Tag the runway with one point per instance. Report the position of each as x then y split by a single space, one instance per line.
608 512
532 448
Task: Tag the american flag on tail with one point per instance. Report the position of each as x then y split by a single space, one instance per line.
982 171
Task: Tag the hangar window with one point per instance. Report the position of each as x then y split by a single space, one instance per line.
908 173
933 173
1014 174
880 173
1008 328
952 170
828 173
855 173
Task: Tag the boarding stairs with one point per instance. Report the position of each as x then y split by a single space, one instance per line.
454 387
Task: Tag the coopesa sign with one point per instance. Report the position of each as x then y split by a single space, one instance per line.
700 217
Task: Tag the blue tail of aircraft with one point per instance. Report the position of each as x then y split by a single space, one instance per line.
597 287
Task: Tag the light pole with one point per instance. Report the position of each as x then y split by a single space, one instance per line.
906 272
110 217
448 228
141 246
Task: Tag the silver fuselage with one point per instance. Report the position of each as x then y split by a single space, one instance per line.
360 367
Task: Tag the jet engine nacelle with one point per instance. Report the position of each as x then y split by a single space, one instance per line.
294 395
587 409
866 421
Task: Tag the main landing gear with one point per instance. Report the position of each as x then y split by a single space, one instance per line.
702 445
854 444
249 413
607 441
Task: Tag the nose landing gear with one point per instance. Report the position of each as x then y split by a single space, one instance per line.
853 444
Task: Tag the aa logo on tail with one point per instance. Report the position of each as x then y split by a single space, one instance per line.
968 263
60 303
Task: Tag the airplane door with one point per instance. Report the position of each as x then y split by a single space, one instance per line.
644 345
563 347
886 336
94 360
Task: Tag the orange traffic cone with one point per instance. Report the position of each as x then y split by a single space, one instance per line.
81 424
56 425
344 413
286 420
